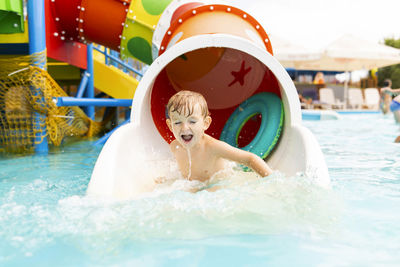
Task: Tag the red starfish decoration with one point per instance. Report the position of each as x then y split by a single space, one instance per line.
239 75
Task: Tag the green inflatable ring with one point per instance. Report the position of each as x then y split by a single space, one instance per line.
270 107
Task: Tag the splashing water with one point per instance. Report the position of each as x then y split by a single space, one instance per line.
190 164
46 219
47 210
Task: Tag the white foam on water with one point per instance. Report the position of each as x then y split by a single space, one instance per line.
242 203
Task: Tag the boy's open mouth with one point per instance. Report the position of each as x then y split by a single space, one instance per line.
187 137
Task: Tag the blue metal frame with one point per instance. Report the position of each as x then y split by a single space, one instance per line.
89 92
86 86
113 55
37 43
87 102
83 84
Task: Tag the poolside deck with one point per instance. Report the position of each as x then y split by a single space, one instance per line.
357 111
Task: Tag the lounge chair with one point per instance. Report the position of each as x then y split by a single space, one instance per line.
355 98
328 100
371 96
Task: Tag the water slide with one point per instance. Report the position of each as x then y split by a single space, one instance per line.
215 49
71 24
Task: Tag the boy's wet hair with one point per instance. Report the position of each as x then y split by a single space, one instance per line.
387 83
184 102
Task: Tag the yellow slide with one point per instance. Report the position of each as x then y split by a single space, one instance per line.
112 80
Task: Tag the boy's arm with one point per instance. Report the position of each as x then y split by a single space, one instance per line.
249 159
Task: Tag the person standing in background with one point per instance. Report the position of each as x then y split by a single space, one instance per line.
386 96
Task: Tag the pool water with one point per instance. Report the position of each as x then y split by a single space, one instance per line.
46 219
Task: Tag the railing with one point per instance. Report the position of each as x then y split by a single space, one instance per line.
111 58
92 102
84 96
81 98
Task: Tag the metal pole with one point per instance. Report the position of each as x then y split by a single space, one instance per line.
83 84
98 102
106 58
37 43
89 93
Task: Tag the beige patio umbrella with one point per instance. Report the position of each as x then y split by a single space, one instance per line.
349 53
290 54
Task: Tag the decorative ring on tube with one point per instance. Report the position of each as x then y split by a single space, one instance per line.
215 19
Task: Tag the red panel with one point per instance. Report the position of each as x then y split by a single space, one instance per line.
58 47
66 16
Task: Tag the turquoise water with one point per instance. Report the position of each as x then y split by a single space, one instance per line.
46 220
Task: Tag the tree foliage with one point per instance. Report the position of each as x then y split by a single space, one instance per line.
390 72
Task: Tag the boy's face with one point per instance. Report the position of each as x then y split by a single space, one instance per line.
188 129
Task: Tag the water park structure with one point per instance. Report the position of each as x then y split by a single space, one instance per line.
215 49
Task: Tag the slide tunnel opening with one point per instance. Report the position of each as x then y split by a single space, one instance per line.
224 76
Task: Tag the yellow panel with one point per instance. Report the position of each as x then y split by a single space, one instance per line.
98 55
113 81
15 38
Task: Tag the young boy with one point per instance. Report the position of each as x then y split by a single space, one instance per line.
200 156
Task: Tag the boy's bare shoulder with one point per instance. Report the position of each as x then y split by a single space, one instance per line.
216 144
225 150
211 140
